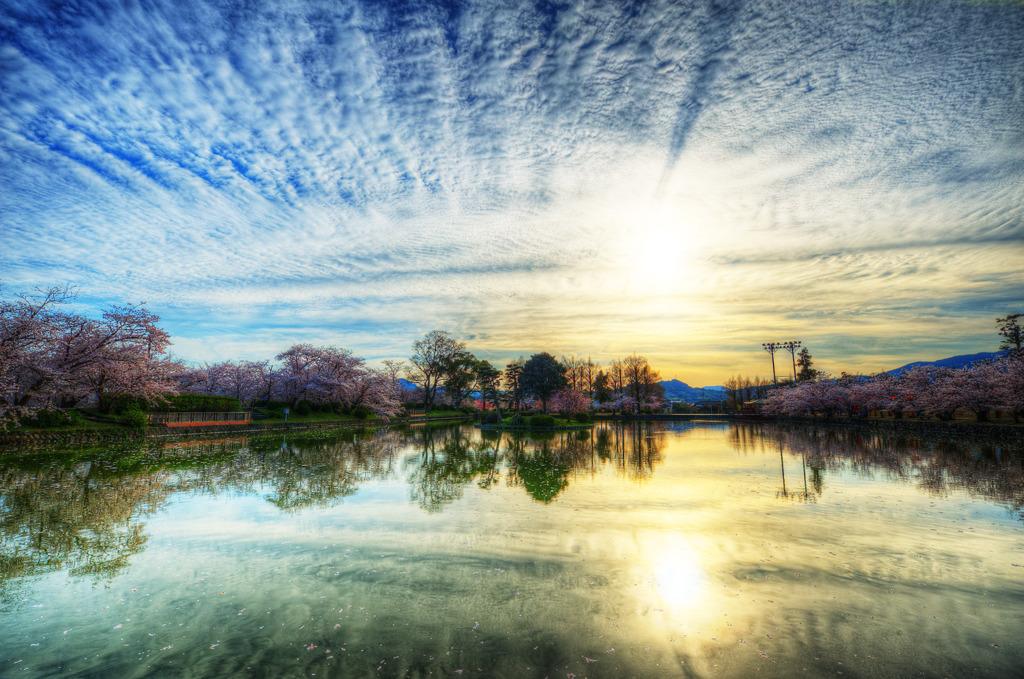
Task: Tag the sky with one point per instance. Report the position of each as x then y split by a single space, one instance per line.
683 180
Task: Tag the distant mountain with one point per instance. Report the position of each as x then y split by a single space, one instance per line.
951 362
674 391
681 391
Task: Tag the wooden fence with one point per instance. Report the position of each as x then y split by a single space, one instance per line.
199 419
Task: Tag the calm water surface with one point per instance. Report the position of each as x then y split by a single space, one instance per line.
658 550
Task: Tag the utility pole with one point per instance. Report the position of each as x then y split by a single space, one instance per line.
771 348
792 346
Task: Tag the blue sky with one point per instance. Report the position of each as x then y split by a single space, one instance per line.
683 180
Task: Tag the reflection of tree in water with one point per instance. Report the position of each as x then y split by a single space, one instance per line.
448 460
88 517
542 463
79 518
544 466
542 471
796 492
638 449
308 474
990 471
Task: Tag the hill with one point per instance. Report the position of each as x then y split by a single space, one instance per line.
676 390
951 362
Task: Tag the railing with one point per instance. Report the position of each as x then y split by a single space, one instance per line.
196 419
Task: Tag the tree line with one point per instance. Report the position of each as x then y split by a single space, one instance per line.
443 370
741 390
980 388
53 359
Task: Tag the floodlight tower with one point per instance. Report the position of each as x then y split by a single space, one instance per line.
792 346
771 348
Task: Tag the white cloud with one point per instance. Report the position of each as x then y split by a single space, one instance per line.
501 170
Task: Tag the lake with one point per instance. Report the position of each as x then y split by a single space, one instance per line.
664 549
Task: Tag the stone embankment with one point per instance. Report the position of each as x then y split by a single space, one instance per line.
73 436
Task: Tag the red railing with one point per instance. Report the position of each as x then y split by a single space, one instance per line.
199 419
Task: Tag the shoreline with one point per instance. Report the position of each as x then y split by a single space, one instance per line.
59 436
998 431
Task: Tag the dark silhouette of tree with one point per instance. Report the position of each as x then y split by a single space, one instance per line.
488 380
512 376
804 364
1013 337
459 376
602 387
542 376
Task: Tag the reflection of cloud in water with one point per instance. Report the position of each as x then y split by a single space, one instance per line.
90 518
664 555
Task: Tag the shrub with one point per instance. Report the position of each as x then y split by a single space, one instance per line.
542 421
122 404
136 419
515 420
582 417
489 417
303 408
53 418
361 413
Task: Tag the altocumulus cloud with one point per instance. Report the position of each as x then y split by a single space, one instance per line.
681 179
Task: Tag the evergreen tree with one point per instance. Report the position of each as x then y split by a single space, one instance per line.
542 376
804 365
1013 337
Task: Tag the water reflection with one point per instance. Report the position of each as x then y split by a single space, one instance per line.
88 517
938 466
640 550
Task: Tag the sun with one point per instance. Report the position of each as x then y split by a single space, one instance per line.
660 249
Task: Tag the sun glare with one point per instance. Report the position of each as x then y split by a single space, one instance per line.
678 577
660 249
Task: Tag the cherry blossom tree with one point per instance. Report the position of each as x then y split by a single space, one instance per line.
570 401
941 392
28 325
623 403
317 374
1010 386
332 375
52 359
122 354
373 390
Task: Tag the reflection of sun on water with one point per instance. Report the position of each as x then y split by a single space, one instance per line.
678 577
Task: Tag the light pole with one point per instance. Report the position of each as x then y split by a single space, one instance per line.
771 348
792 346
